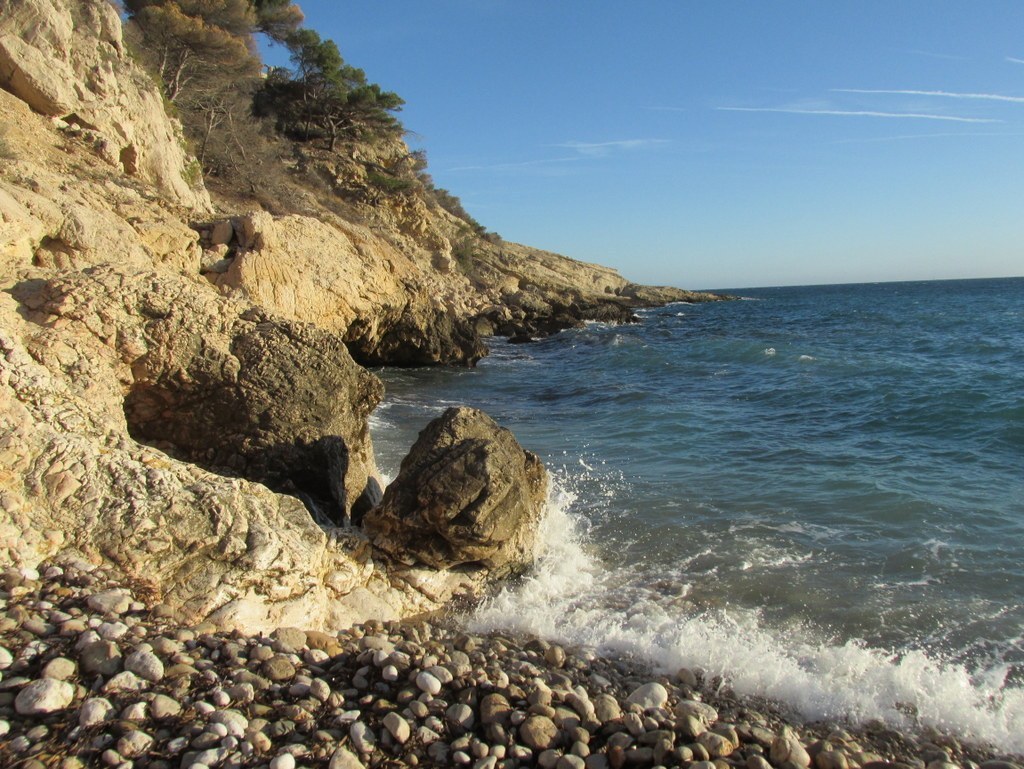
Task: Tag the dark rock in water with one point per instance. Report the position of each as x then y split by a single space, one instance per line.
467 493
420 336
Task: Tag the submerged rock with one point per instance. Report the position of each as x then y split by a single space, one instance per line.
467 494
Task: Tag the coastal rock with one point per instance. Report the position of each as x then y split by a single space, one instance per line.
467 493
204 433
85 360
345 279
68 59
786 748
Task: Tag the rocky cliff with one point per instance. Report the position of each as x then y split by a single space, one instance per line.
180 390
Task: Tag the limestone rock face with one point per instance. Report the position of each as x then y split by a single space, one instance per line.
73 479
68 60
221 384
344 278
467 494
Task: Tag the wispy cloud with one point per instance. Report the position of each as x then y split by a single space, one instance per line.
600 149
1015 60
910 137
583 151
515 166
943 94
862 113
934 55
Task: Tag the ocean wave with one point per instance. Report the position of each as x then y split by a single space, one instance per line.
573 598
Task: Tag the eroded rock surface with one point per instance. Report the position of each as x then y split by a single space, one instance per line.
390 310
68 60
466 495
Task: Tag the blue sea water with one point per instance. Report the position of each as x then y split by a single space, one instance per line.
815 492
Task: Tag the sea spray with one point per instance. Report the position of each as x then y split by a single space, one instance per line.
841 533
571 597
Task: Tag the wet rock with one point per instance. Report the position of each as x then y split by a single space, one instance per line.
606 708
719 746
649 696
467 493
787 748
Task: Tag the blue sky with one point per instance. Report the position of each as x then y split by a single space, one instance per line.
718 144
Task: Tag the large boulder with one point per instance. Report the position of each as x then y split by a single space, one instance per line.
220 383
467 495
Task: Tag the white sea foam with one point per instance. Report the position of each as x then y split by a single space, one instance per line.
574 599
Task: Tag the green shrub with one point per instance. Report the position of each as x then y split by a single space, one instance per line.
192 173
389 184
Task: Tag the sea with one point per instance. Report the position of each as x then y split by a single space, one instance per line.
812 494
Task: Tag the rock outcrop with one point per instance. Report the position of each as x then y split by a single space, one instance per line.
216 382
68 60
467 495
344 278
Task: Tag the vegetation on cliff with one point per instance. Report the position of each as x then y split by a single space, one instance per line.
272 135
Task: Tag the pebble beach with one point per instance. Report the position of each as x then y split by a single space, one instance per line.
94 673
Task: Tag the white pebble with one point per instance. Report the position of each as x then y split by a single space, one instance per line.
649 696
320 690
428 683
134 744
218 729
94 711
145 665
232 721
112 631
47 695
398 727
362 737
221 698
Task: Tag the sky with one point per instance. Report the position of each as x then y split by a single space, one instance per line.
717 144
